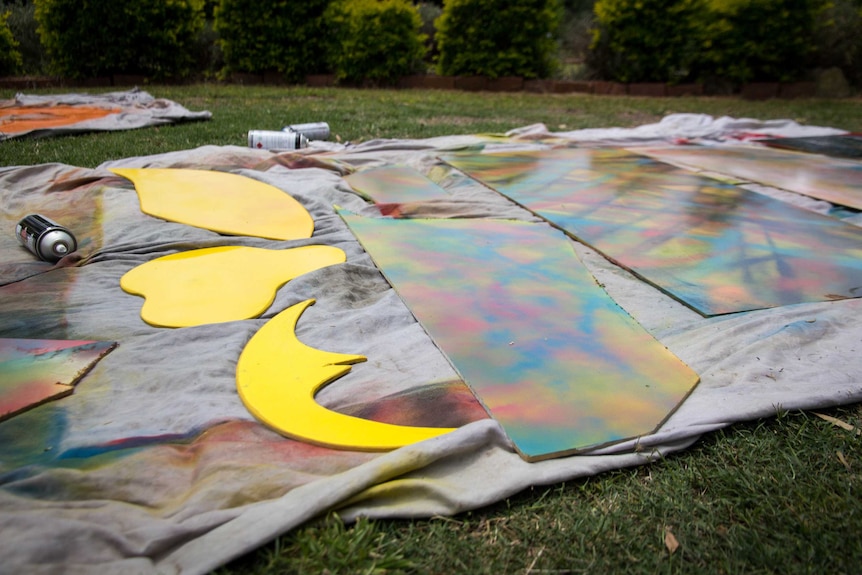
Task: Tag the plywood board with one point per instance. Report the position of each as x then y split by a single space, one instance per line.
838 146
716 247
547 352
834 180
33 371
394 185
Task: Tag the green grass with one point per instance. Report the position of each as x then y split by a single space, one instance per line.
780 495
360 115
772 496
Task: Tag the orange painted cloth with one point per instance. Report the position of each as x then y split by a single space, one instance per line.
19 119
28 115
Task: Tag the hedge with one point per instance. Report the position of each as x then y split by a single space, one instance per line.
286 36
734 40
10 57
498 38
92 38
759 40
377 40
647 40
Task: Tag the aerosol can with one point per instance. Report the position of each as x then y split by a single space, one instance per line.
45 238
312 130
276 140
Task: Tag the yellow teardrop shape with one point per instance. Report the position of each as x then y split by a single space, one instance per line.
219 201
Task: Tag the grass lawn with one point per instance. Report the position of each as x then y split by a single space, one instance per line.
360 115
780 495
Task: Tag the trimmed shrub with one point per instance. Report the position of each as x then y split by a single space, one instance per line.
839 41
497 38
760 40
735 41
155 38
646 40
22 22
377 40
10 57
286 36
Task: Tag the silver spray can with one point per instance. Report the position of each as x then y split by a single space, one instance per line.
312 130
274 140
46 239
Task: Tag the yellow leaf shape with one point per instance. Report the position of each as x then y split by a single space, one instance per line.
278 376
219 201
214 285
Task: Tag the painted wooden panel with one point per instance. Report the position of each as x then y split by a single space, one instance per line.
716 247
835 180
838 146
33 371
394 185
547 352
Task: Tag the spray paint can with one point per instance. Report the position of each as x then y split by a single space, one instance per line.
312 130
46 239
274 140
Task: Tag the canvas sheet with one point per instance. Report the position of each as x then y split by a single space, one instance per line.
28 115
154 465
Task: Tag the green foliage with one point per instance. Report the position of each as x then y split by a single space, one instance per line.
759 40
839 42
209 8
10 57
22 22
286 36
497 38
328 546
377 40
155 38
733 40
646 40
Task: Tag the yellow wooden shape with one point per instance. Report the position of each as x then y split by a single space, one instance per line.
220 201
277 377
213 285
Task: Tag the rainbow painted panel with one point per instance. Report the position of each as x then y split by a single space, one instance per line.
715 247
33 371
394 185
547 352
832 179
836 145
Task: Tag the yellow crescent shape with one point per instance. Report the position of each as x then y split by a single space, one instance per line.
219 201
277 377
225 283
